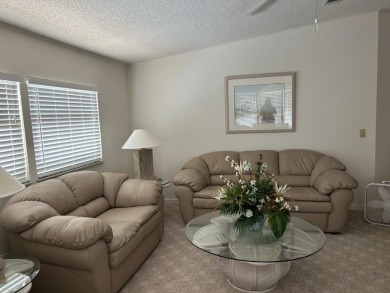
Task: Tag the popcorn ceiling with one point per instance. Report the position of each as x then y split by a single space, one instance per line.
138 30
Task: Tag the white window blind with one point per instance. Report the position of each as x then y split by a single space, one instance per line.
12 142
66 128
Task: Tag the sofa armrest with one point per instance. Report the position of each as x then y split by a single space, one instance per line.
323 164
138 192
69 232
333 179
21 216
191 178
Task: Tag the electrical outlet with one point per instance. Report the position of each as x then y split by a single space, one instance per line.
362 133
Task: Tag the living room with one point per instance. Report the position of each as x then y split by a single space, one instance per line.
341 89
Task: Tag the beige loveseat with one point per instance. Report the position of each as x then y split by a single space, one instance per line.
90 231
319 185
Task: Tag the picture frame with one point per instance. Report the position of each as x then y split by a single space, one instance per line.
260 103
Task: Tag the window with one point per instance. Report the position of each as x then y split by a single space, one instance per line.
12 142
65 126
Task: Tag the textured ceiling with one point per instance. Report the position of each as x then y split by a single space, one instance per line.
137 30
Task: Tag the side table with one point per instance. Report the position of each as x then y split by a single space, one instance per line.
18 273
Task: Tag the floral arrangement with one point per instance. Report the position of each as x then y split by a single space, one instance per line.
254 198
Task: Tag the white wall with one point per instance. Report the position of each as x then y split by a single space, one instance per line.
27 54
382 169
182 99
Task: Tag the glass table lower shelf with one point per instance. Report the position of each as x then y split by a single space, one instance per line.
254 261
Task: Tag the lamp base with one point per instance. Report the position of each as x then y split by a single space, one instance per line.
143 164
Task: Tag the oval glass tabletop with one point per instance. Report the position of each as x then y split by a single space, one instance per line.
215 234
17 273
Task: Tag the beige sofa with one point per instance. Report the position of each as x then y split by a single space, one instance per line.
90 231
319 185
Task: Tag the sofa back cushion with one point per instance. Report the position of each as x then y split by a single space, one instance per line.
298 162
91 209
217 165
269 157
85 185
53 192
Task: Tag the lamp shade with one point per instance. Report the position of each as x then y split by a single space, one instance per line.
141 139
8 184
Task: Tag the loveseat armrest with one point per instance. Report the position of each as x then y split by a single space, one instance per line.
191 178
139 192
332 180
69 232
20 216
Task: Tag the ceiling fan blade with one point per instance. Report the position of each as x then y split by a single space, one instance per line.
376 204
263 5
383 193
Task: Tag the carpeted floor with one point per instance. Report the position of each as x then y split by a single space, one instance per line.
356 261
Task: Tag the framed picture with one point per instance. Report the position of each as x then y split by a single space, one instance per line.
260 103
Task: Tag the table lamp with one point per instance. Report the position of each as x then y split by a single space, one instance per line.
142 141
8 187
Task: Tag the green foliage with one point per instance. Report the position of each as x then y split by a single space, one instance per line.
278 223
255 197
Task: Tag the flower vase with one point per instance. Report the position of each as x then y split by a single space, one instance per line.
258 225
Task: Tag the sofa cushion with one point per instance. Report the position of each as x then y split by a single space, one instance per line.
298 162
312 206
85 185
217 164
139 214
91 209
204 203
122 232
125 222
293 180
53 192
306 194
269 157
138 192
208 192
118 256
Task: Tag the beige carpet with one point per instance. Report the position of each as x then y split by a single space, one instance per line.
356 261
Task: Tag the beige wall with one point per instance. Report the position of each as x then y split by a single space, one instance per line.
29 55
182 99
382 162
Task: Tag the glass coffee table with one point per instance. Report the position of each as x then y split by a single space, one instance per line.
253 261
17 273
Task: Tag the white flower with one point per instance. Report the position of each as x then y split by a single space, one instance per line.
249 213
280 190
253 182
221 194
296 208
246 166
227 158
